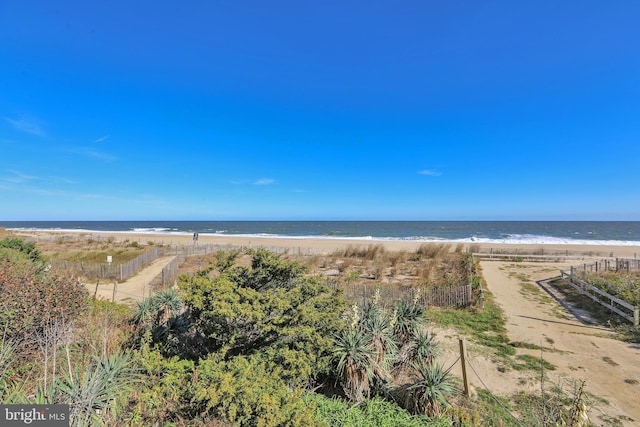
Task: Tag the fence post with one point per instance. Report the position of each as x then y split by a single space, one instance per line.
463 362
636 316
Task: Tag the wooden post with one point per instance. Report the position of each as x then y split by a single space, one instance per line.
636 316
113 298
96 291
463 362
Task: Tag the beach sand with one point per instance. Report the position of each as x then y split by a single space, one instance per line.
328 245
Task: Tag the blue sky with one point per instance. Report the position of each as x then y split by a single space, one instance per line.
416 110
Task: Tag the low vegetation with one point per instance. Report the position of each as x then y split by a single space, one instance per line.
253 339
600 314
93 251
624 285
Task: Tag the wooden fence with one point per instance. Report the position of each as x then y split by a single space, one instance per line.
198 249
525 257
447 296
107 271
623 308
169 273
627 265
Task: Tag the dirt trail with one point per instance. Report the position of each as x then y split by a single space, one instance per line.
610 368
135 288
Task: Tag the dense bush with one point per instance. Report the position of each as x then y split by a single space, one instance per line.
271 310
27 250
376 412
252 338
32 299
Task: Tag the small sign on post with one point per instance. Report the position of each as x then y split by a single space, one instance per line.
109 261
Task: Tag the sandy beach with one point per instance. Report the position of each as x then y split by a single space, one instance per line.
327 245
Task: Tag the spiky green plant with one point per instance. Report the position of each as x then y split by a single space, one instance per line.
430 389
378 326
158 314
10 390
408 315
145 312
92 393
356 363
421 348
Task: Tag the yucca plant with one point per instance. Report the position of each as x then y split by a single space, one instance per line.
421 348
430 389
92 393
159 314
408 315
10 389
356 363
378 325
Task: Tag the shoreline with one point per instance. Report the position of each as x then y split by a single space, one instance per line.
328 244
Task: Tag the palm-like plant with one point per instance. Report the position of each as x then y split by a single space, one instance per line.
93 393
379 327
408 315
421 348
428 394
356 365
159 313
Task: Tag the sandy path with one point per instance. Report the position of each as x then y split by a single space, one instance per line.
610 368
135 288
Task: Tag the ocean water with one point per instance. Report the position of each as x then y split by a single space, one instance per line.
533 232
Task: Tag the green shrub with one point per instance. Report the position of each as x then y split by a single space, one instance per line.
271 309
246 393
376 412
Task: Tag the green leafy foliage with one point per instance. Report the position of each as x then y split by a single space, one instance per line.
247 392
376 412
625 286
19 246
268 271
166 392
243 391
247 312
32 298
